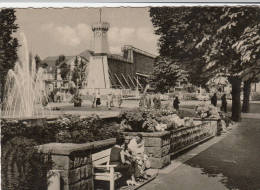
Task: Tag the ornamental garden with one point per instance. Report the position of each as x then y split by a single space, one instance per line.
62 140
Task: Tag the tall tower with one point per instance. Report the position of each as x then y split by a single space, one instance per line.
98 75
100 36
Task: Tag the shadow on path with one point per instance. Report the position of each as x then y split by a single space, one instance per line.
236 158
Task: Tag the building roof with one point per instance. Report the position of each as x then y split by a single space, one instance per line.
87 54
118 57
51 62
127 47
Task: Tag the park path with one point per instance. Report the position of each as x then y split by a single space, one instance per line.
229 162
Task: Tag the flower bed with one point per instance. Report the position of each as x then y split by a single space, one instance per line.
152 120
67 128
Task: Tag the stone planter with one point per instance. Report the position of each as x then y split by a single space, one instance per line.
160 146
74 162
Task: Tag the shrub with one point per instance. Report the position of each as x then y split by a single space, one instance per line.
135 119
73 129
66 129
22 167
40 133
25 169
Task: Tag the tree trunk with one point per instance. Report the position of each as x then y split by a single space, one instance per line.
246 96
3 76
236 104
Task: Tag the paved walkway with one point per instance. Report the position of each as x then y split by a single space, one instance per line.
229 162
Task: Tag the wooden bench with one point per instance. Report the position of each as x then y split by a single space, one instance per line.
102 170
105 172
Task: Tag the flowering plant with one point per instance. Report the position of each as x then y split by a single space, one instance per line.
151 120
207 111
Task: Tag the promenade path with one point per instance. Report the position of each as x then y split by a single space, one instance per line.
228 162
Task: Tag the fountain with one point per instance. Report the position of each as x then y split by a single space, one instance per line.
25 88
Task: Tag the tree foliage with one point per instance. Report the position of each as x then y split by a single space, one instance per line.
165 75
79 72
213 39
64 70
39 63
8 44
210 40
63 66
182 30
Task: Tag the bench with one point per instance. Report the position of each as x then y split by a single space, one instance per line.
104 171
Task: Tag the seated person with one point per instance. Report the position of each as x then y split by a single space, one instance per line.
117 157
136 148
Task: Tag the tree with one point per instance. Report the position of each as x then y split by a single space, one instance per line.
64 70
249 49
63 66
181 30
60 60
75 73
240 34
204 37
165 75
39 63
8 45
79 72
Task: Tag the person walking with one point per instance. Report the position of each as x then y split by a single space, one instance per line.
224 103
214 99
109 101
119 100
176 103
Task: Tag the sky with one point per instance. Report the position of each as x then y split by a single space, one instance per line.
52 32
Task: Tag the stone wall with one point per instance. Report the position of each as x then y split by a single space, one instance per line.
74 161
160 146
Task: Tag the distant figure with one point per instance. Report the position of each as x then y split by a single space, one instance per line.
94 100
113 99
176 103
214 99
142 101
148 101
58 96
51 96
109 101
157 102
119 100
224 103
98 101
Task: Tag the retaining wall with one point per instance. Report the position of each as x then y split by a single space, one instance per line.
74 161
160 146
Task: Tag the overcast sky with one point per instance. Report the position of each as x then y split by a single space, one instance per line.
68 31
